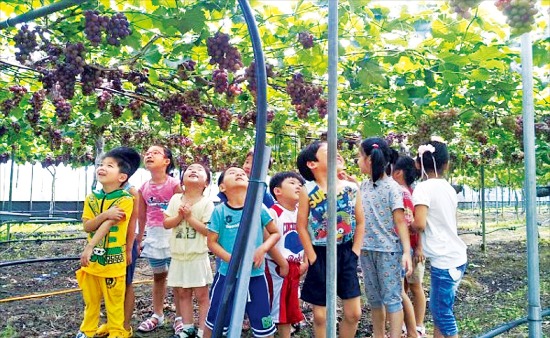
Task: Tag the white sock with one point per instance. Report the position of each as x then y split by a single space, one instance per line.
200 333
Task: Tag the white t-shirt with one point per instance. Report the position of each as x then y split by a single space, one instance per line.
440 238
289 245
186 243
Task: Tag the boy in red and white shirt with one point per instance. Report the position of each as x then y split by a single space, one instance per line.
285 260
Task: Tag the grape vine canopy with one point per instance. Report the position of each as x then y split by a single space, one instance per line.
182 73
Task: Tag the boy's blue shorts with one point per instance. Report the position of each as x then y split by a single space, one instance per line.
257 306
132 267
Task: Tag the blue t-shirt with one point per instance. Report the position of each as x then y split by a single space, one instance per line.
268 200
225 222
379 203
318 214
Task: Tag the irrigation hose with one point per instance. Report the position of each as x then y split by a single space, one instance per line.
61 292
510 325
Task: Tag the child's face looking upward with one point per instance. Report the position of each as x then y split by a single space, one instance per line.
234 177
195 173
247 165
155 157
108 172
290 189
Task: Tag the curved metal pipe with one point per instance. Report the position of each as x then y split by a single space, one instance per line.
254 195
510 325
40 12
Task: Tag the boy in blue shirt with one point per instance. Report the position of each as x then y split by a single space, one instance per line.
222 232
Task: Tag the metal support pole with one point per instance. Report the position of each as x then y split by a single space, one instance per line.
10 196
332 150
40 12
482 174
240 300
530 199
252 207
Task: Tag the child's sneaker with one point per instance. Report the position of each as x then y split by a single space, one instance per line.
81 334
421 330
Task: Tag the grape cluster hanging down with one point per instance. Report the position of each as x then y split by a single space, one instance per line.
249 117
224 117
306 39
222 53
462 7
115 27
25 40
103 100
304 96
62 110
520 14
7 105
91 78
221 84
250 75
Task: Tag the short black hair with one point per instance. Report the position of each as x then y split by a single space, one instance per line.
406 163
380 153
127 159
309 153
440 157
278 179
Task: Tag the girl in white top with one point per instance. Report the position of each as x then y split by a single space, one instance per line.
187 214
435 205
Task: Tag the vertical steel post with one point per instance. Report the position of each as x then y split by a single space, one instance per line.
331 183
530 199
482 174
10 196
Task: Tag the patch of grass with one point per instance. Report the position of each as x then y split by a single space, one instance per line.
8 332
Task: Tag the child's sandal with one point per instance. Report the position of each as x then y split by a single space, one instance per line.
178 325
151 324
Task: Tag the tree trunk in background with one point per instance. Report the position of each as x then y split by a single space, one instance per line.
99 148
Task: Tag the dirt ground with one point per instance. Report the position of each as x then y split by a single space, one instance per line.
493 291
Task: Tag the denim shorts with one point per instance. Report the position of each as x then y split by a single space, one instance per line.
444 283
382 273
159 265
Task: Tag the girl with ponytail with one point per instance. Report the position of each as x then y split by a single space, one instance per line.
385 256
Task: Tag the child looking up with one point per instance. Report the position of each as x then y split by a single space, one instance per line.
435 205
311 225
190 271
154 197
386 247
222 232
103 260
284 263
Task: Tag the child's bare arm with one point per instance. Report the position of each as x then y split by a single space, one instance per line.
142 217
420 216
301 227
403 233
172 221
274 253
195 223
359 227
131 232
114 213
215 247
273 236
101 232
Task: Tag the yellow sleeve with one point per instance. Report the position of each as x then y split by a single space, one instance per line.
87 213
127 205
